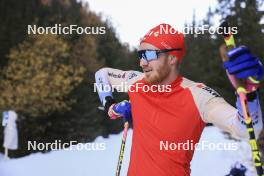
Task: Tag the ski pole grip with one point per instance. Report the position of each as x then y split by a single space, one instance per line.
229 38
229 44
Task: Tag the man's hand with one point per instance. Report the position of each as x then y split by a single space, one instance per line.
243 65
122 109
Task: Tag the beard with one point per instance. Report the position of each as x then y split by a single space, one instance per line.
157 76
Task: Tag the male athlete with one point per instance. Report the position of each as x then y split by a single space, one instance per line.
166 107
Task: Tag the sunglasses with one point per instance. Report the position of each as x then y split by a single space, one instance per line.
150 55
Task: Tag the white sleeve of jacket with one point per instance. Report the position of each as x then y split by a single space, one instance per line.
214 109
109 79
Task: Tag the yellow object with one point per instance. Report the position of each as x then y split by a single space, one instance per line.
230 41
241 90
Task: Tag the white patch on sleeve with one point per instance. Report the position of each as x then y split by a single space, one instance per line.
214 109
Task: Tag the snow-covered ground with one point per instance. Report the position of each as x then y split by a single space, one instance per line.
103 162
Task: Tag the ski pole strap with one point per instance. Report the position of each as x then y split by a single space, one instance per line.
112 114
253 80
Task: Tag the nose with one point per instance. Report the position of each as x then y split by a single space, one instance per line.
143 63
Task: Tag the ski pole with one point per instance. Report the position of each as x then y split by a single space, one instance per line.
241 90
122 149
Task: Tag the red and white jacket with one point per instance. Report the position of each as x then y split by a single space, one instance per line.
174 116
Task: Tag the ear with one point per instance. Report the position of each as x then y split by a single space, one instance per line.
173 60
